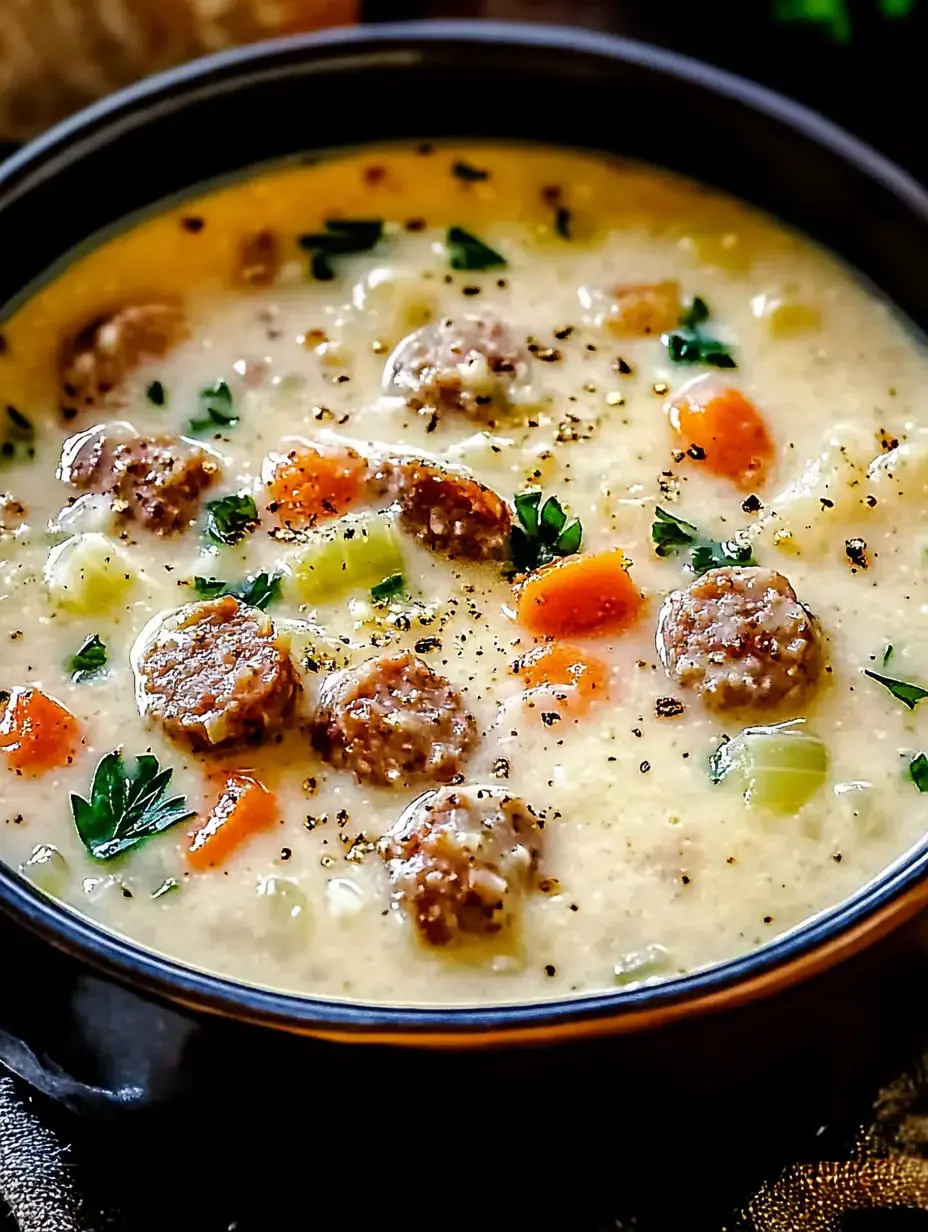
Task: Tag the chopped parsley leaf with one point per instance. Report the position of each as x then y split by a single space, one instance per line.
156 394
125 806
542 531
389 588
230 519
918 771
909 694
690 345
466 252
342 237
88 661
259 590
672 535
216 409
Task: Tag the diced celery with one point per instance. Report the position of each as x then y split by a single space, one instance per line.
640 965
354 553
778 767
47 868
88 574
283 922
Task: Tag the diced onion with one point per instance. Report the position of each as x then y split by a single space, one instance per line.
778 767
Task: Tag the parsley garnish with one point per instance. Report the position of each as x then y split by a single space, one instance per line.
124 808
215 409
18 438
469 173
230 519
156 394
836 14
671 535
563 221
259 591
918 771
888 653
909 694
342 237
466 252
389 588
88 661
542 532
690 345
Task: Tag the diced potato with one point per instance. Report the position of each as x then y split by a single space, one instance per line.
724 250
823 506
89 573
283 921
786 318
398 301
47 868
901 473
778 767
354 553
639 966
315 650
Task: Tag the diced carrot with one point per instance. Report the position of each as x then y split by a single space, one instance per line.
244 807
312 484
572 676
725 430
37 733
580 596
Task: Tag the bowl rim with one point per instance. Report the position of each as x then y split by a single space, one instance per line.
831 936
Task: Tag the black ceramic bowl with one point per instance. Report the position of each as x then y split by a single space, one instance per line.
780 1038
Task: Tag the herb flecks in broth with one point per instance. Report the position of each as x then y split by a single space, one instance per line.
258 591
467 252
89 660
691 344
216 409
231 518
671 535
909 694
342 237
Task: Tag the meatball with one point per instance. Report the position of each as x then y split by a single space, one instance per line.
215 673
155 481
450 513
393 721
740 637
98 359
459 858
470 366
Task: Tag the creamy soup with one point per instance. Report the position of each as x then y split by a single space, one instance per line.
445 575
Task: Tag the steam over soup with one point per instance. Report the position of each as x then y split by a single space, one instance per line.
456 575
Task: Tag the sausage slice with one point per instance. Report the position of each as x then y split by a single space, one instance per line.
392 721
740 638
156 481
96 361
215 673
450 513
469 366
459 860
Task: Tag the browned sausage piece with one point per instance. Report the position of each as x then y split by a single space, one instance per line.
98 359
393 721
259 259
740 637
468 365
215 673
459 859
449 513
156 481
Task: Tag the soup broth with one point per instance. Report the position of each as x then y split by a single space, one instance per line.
516 558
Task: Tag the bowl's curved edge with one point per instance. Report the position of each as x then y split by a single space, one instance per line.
833 936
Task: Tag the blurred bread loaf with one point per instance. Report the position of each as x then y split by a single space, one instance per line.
58 55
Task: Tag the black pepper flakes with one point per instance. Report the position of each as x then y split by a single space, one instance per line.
192 224
500 768
668 707
697 453
752 504
645 767
856 552
550 970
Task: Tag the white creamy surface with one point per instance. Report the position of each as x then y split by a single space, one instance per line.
644 848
